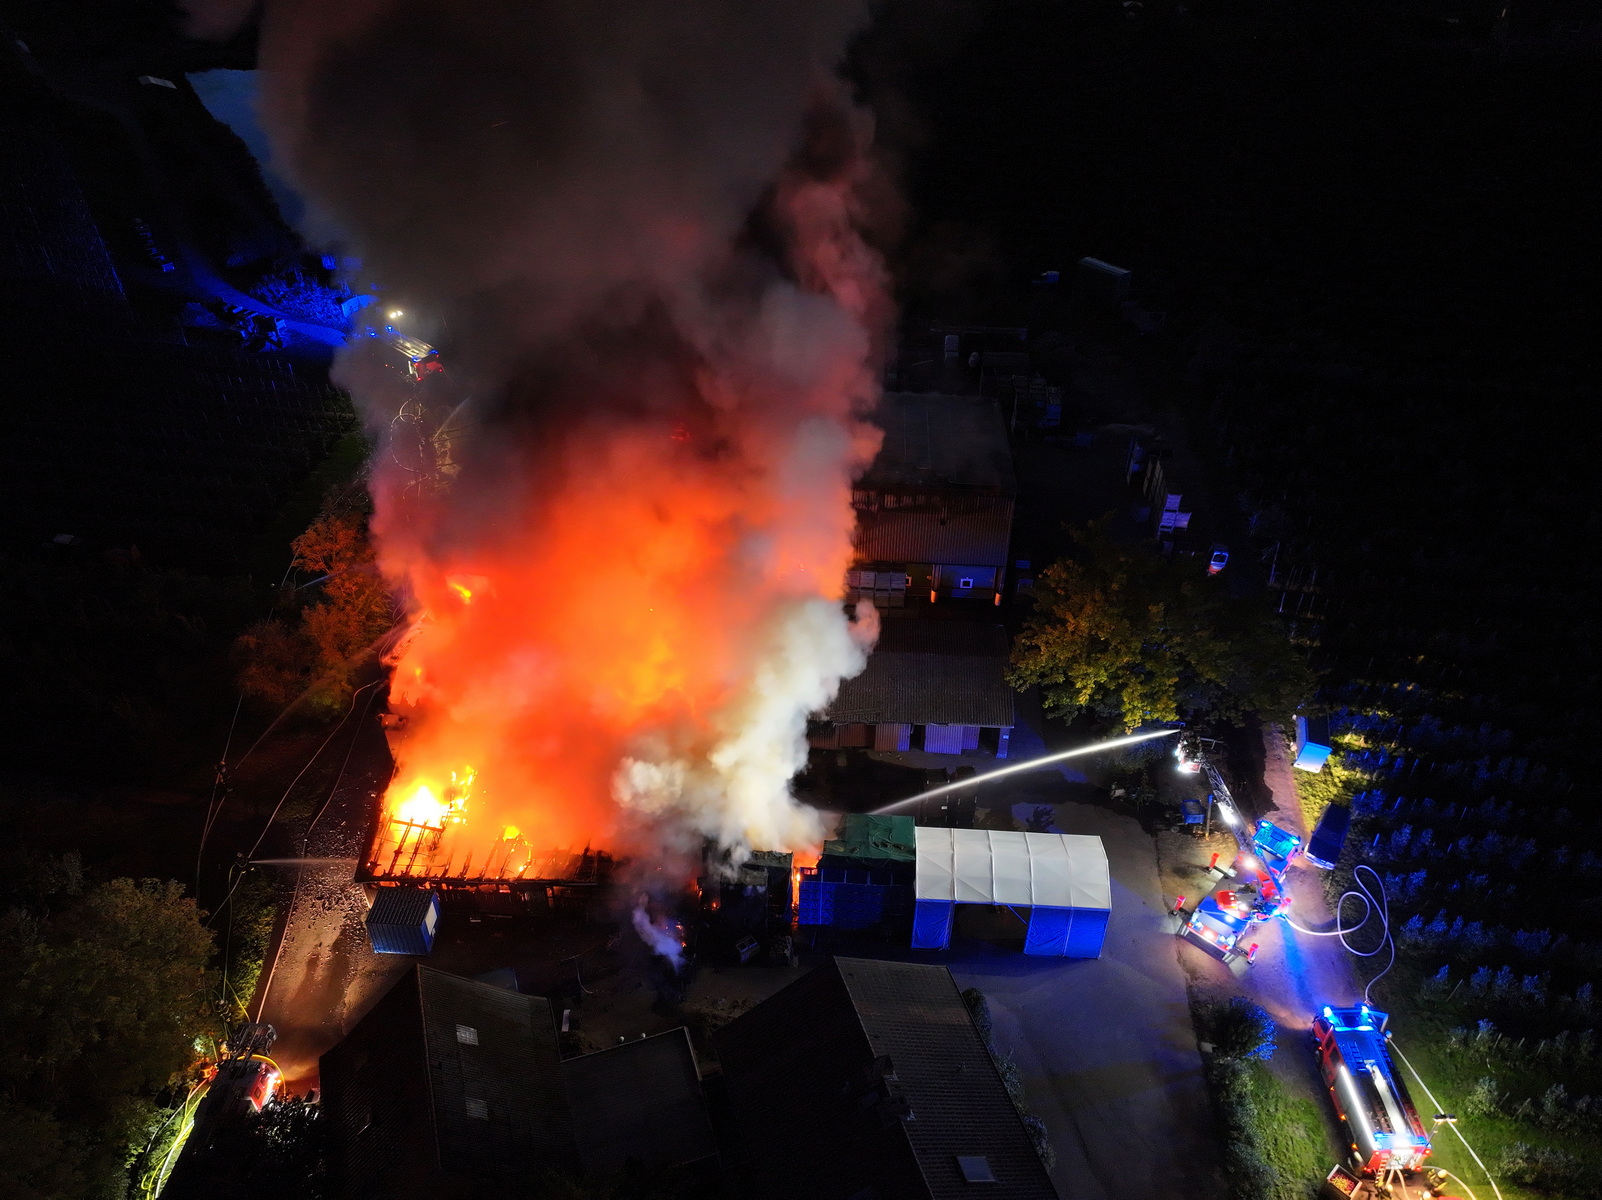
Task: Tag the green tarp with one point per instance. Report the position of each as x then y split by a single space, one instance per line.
863 835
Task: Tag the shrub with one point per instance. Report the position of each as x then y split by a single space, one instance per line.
1042 1140
979 1010
1547 1169
1483 1099
1239 1030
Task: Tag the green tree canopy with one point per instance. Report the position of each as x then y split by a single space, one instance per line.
1122 632
102 997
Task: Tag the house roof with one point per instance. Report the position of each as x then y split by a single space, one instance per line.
445 1078
509 1063
928 672
989 866
937 441
640 1100
975 532
882 1063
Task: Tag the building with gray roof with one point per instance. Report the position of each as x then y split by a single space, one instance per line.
934 510
448 1085
933 685
640 1101
867 1080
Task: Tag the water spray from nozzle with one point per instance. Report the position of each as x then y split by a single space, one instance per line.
1030 765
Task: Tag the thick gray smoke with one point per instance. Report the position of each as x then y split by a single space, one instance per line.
637 227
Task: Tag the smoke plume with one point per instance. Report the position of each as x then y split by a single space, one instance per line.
623 525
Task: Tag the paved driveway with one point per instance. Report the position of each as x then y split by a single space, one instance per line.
1105 1047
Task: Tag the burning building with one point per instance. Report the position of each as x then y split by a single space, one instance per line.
641 242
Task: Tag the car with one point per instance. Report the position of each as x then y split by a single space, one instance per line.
1219 559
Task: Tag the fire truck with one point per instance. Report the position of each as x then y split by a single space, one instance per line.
1372 1100
1223 921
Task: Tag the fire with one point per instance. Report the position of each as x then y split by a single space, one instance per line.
422 806
624 561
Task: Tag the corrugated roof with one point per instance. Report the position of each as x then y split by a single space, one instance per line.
866 835
973 534
932 440
640 1100
914 1013
879 1063
931 673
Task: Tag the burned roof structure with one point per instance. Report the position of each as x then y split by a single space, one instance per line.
931 672
868 1079
445 1086
640 1101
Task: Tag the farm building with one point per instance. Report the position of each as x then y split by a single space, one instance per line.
868 1078
931 685
934 511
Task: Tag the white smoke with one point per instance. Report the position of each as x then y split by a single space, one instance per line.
659 938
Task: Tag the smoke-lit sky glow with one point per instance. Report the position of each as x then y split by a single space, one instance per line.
635 227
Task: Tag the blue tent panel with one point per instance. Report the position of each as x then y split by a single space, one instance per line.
1086 933
931 924
1048 930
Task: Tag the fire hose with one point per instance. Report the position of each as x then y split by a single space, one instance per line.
1373 906
1379 906
1472 1153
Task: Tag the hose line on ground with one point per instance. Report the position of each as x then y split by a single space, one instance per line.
1412 1070
1373 906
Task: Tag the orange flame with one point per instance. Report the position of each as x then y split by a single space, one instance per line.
624 621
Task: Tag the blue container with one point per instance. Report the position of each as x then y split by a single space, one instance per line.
1324 847
849 905
403 920
1195 812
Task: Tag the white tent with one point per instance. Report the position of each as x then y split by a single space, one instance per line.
1061 877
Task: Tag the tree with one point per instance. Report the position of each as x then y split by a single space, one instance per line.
102 998
1121 632
355 607
277 661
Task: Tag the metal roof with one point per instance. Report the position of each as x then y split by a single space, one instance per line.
992 866
640 1100
938 441
879 1062
975 533
509 1064
931 672
445 1079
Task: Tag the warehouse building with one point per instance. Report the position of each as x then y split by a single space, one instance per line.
931 685
934 511
868 1080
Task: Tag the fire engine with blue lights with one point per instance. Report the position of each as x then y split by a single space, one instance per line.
1370 1095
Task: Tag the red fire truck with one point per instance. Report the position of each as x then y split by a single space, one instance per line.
1370 1096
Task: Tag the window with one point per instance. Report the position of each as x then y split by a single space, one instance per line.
467 1035
477 1109
975 1168
965 582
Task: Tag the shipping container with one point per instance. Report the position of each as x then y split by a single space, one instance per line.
403 920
